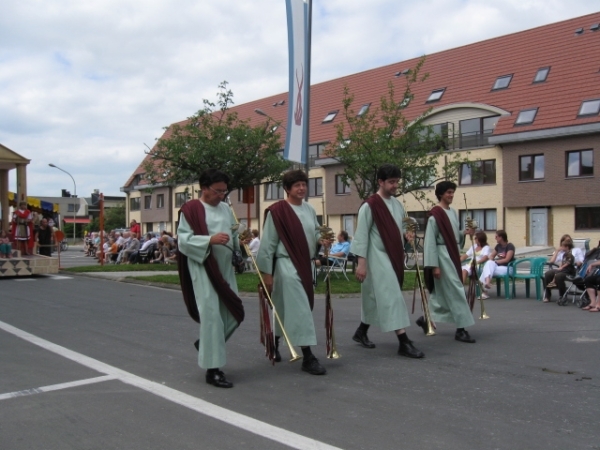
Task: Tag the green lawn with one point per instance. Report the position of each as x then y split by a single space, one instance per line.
247 282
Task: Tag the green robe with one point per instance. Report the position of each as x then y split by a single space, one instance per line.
217 324
288 295
382 301
448 302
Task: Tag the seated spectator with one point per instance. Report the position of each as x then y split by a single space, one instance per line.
5 245
254 244
482 251
112 252
498 260
133 247
150 240
159 253
340 249
592 281
564 258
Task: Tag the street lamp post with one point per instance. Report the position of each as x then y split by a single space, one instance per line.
74 195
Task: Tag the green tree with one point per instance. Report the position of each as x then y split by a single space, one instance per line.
215 137
384 135
113 218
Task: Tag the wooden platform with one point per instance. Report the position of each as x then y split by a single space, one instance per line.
19 266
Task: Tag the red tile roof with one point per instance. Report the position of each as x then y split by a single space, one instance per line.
468 74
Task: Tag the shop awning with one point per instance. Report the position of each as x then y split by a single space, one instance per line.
77 220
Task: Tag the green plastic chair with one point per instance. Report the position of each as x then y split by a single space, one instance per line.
506 279
536 273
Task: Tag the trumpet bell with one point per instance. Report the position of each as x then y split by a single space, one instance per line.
333 354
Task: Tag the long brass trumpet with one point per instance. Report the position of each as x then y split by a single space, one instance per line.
244 235
331 347
411 227
474 280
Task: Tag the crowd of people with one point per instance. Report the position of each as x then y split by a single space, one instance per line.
126 248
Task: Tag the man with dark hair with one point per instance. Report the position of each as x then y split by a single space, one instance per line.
207 277
443 273
288 245
379 247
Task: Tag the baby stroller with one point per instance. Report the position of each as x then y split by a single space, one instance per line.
575 285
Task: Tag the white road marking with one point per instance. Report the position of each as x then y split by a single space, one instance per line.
246 423
59 277
56 387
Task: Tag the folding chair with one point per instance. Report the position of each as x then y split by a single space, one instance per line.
336 262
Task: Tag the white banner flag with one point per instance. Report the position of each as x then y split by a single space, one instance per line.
299 47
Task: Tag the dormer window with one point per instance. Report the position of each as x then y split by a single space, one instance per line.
330 116
436 95
589 108
541 75
526 116
502 82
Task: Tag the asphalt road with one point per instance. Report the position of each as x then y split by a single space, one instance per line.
87 363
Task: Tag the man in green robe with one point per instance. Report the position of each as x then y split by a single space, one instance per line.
378 245
443 239
289 242
205 238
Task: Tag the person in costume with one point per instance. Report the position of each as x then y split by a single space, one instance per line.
208 283
22 229
443 273
378 245
288 245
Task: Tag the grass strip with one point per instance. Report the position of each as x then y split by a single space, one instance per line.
247 282
124 268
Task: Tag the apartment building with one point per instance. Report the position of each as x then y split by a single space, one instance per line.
524 107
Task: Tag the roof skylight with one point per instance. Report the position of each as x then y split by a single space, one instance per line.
541 75
526 116
502 82
363 109
589 108
436 95
330 116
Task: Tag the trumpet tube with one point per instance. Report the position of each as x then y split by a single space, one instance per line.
293 353
472 224
412 226
331 347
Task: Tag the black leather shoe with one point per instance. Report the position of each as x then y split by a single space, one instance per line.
463 336
421 322
217 379
361 337
277 354
311 365
409 350
197 345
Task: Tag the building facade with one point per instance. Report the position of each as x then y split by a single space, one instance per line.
524 107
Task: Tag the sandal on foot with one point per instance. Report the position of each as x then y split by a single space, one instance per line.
594 309
587 308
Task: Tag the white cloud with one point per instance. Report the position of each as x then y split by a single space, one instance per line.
84 85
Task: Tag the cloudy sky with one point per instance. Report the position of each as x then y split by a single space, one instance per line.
85 85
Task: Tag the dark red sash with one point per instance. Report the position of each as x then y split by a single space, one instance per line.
291 233
390 234
447 232
195 215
